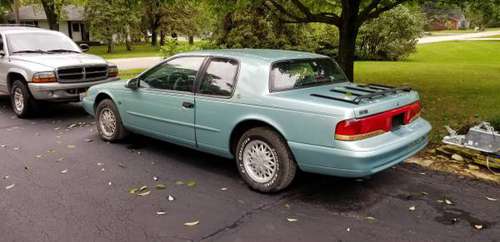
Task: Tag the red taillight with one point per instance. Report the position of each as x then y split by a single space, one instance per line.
362 128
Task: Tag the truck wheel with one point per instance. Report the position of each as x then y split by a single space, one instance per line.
22 102
264 160
109 122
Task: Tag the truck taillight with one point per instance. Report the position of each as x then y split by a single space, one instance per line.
366 127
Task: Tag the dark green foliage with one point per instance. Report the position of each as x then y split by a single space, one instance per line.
392 36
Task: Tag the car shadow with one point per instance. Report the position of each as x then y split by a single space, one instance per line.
333 193
59 111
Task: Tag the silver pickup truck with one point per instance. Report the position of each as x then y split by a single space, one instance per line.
38 65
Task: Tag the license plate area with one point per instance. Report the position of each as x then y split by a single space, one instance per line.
398 121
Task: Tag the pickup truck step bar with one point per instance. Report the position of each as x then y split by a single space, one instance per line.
373 91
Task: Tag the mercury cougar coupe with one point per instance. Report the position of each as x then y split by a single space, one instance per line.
273 111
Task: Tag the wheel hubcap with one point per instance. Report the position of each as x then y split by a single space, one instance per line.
107 121
260 161
18 100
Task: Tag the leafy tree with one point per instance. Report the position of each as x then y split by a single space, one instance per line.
53 10
392 36
347 15
111 19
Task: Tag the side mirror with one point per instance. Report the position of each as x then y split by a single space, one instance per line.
133 84
84 47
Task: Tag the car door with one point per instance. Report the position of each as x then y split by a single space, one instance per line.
163 105
215 111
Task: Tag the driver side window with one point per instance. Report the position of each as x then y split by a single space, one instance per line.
178 74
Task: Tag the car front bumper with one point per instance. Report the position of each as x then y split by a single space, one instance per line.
62 92
388 151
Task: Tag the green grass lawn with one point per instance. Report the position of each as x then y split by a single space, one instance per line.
127 74
459 82
143 50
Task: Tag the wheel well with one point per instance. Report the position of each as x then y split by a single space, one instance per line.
99 98
244 126
11 77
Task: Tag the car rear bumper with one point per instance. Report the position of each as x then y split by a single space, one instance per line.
366 161
59 92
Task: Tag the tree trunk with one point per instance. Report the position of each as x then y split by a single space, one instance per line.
191 39
162 38
349 29
110 45
52 14
154 38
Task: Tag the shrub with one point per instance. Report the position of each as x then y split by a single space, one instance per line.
392 36
173 47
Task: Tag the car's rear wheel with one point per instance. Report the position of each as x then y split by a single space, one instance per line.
109 122
264 160
22 102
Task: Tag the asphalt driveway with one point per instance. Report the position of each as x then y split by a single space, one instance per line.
59 182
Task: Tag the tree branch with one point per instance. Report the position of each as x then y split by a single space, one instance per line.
379 10
308 17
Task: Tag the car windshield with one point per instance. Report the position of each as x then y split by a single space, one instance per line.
293 74
40 43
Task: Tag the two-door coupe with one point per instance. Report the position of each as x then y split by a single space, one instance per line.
273 111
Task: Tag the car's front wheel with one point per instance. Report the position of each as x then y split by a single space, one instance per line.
109 122
22 102
264 160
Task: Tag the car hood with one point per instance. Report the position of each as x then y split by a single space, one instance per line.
59 60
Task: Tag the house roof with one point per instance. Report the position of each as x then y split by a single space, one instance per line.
36 12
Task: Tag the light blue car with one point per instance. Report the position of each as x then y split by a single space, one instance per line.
272 111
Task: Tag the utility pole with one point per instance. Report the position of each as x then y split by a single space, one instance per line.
16 11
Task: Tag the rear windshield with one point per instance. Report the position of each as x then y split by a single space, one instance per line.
295 74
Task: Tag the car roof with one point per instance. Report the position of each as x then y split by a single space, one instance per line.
262 55
21 29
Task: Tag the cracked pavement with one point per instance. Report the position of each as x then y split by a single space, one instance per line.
82 204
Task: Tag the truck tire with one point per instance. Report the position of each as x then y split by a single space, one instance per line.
109 122
23 104
264 160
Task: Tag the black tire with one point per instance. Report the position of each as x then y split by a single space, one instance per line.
29 104
119 132
286 166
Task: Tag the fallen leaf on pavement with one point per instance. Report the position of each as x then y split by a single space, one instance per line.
155 178
160 186
10 186
171 198
348 229
100 164
370 218
71 146
142 194
191 183
224 189
122 165
292 220
109 183
89 140
478 226
161 212
449 202
64 171
179 183
412 208
143 188
194 223
491 199
133 190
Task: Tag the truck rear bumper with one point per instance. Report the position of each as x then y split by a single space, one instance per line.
363 162
59 92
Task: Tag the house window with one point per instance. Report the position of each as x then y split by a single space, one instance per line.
76 27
